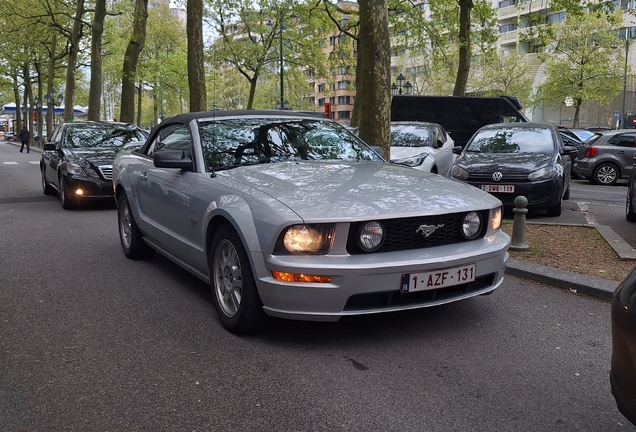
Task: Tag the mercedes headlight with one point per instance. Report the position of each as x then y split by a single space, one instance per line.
459 172
306 239
74 168
541 174
412 161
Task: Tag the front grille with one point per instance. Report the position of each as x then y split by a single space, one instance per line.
389 299
401 234
487 178
106 171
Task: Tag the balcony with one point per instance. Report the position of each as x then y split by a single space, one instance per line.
522 8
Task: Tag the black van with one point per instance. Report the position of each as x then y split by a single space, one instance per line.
461 116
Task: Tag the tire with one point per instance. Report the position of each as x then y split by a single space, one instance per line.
67 202
629 211
605 174
555 210
234 291
131 239
566 195
46 187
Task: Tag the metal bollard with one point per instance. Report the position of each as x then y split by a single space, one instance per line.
518 241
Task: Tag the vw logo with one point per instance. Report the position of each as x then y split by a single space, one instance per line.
427 230
496 176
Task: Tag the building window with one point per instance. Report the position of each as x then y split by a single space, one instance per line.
332 86
556 18
332 100
507 28
394 53
343 70
344 115
506 3
321 102
332 40
321 88
342 85
343 100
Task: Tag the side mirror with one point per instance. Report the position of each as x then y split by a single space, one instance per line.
458 150
49 146
172 159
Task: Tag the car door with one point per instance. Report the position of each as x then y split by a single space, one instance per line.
162 194
624 150
53 158
445 156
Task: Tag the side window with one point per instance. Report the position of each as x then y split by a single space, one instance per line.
56 135
175 137
437 137
626 140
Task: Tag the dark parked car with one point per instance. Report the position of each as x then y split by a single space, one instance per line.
77 160
512 159
607 158
623 364
289 214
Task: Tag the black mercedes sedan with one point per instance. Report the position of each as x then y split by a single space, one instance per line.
77 160
623 369
512 159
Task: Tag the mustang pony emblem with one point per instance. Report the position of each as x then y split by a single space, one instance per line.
427 230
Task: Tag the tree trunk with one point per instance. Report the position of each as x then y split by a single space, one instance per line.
355 113
577 111
95 91
374 74
136 44
50 108
250 98
196 70
28 98
465 7
139 100
73 51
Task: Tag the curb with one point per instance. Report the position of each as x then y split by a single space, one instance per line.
575 282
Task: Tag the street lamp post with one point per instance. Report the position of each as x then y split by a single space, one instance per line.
401 87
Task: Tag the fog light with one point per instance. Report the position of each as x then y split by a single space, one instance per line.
471 225
292 277
79 192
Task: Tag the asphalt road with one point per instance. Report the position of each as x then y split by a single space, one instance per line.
91 341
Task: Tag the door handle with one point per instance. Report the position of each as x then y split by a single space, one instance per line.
143 176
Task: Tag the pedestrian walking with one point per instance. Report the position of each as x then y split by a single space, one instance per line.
25 137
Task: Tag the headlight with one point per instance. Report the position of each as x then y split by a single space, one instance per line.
542 174
306 239
471 225
495 220
371 236
412 161
74 168
459 173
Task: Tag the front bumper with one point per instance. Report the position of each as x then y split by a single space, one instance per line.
540 194
366 284
90 187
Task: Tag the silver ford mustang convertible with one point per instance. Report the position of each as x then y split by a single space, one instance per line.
290 215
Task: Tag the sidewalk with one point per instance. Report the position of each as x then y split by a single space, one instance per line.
576 282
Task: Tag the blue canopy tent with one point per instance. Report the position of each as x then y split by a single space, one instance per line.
77 112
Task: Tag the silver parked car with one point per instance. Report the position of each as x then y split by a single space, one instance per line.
290 215
607 158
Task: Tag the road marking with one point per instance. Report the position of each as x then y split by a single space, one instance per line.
10 163
586 213
34 162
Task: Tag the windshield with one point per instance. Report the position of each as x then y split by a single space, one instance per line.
410 136
514 140
237 142
101 135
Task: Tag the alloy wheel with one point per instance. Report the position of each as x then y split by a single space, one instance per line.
228 278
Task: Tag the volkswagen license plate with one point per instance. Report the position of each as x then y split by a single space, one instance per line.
412 282
498 188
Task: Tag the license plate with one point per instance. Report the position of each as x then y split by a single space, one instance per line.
498 188
413 282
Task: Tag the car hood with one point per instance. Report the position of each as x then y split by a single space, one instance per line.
346 190
404 152
522 163
96 156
